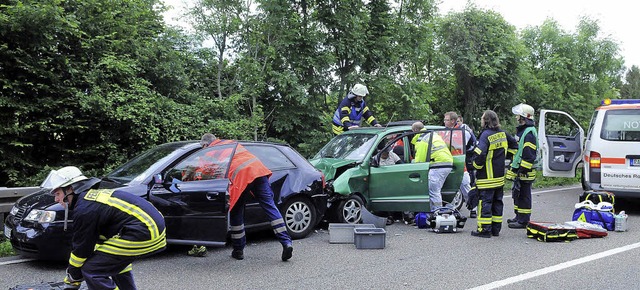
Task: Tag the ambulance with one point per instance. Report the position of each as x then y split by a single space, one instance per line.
610 154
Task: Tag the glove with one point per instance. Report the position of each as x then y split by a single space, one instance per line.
511 175
522 172
377 125
73 279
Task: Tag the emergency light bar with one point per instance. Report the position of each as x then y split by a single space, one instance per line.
607 102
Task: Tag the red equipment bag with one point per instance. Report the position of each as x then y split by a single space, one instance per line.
551 232
587 230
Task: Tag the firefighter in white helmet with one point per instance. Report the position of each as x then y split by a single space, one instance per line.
352 110
522 170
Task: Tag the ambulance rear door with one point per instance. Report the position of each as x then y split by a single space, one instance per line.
561 143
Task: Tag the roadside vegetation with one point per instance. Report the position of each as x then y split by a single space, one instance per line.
5 248
271 70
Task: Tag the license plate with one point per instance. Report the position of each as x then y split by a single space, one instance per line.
634 162
7 232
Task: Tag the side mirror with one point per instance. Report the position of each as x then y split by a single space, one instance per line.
157 179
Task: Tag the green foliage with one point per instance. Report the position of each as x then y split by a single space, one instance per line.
631 88
6 249
93 83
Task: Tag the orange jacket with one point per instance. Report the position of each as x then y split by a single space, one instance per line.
244 169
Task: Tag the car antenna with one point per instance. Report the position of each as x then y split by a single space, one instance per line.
390 119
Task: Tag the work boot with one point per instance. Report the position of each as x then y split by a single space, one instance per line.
198 251
237 254
513 220
517 225
287 252
482 234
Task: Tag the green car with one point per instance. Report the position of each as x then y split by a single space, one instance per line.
355 178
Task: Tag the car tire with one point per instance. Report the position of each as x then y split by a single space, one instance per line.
299 216
350 210
458 200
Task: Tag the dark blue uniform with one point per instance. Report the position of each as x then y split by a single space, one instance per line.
523 172
111 229
489 161
350 113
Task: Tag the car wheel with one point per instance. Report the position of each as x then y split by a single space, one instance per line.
458 200
299 217
350 210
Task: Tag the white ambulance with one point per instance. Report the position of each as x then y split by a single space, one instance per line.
609 156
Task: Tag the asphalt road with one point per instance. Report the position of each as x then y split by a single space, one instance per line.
413 259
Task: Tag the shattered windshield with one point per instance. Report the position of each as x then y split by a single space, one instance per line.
347 146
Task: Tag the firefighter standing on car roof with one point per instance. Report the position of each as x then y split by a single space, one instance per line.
441 161
249 176
488 161
111 228
352 110
522 170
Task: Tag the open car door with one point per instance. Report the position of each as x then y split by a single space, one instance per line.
561 142
193 197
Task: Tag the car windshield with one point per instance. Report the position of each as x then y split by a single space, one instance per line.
144 164
347 146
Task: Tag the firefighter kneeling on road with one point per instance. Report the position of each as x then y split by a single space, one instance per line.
111 228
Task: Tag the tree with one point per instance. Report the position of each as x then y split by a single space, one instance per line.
631 88
484 53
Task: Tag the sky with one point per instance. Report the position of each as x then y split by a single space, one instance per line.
615 17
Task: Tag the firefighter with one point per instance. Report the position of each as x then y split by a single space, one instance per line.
352 110
522 170
249 177
111 229
441 161
488 161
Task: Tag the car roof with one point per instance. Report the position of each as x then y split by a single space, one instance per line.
384 130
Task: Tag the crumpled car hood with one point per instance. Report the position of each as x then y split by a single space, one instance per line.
329 166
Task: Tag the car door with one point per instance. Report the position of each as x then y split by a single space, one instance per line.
560 142
398 187
193 197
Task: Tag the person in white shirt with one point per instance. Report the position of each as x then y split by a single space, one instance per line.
387 157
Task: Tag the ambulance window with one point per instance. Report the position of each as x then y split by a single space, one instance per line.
560 125
621 125
593 121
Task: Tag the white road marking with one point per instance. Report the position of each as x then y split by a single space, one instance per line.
557 267
551 190
16 261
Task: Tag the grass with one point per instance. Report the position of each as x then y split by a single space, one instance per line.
6 249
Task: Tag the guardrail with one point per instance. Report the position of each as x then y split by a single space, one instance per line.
9 195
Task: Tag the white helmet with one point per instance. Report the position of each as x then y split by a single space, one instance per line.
523 110
359 90
62 177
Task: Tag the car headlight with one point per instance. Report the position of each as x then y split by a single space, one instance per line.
41 216
14 210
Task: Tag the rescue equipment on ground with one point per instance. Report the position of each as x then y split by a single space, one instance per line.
551 232
441 220
587 230
621 222
600 214
598 196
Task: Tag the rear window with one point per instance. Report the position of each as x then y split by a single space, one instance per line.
621 125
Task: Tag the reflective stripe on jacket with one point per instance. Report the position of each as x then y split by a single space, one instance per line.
115 222
440 154
490 156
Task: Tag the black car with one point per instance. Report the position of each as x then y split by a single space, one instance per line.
195 211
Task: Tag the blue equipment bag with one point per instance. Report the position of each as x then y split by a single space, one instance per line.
586 212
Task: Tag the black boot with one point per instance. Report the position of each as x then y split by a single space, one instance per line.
517 225
287 252
237 254
482 234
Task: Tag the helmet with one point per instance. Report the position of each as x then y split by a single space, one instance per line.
62 177
523 110
360 90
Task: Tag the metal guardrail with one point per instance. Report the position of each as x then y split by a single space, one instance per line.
9 195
